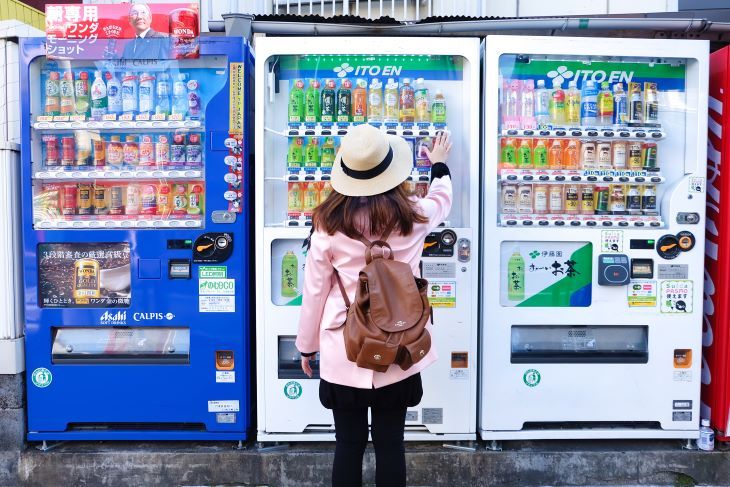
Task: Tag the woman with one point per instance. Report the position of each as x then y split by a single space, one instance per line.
369 198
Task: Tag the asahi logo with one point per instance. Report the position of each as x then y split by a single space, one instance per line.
563 74
109 318
152 316
345 69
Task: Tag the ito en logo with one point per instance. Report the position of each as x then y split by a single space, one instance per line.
41 377
293 389
343 70
561 74
531 378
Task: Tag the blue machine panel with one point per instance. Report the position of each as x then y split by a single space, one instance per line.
137 300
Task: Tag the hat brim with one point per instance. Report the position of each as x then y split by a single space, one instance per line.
398 171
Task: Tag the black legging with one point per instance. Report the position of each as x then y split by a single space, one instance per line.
351 432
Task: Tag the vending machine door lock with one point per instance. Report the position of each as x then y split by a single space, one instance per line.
464 250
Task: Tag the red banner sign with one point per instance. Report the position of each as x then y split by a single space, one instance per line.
123 31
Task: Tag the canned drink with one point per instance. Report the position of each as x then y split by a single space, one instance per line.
99 153
134 203
162 151
421 190
51 143
83 148
68 203
177 150
116 206
586 200
100 205
617 200
163 200
68 151
509 198
179 199
635 163
572 199
193 151
633 199
588 155
86 279
600 197
619 155
649 156
540 198
604 155
556 202
149 199
195 203
146 151
85 195
648 200
524 198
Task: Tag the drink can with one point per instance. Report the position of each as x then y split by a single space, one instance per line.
177 149
68 148
572 199
586 200
604 155
68 203
117 200
99 153
635 153
51 143
421 190
179 199
619 155
86 279
556 202
184 33
85 196
162 151
100 206
509 198
146 151
588 154
524 198
134 202
601 197
540 198
193 151
649 156
149 199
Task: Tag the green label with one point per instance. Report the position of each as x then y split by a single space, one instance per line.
608 71
531 377
213 272
293 390
41 377
368 66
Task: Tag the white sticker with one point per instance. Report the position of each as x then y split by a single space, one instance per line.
612 240
230 160
641 293
459 374
225 376
676 296
230 142
230 195
217 287
442 294
224 406
217 304
683 376
439 270
230 178
696 185
226 418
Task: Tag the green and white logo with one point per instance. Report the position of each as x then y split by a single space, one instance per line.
531 378
42 377
293 390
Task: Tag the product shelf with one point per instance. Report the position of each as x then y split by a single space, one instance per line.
304 176
130 125
142 222
587 221
579 176
335 129
123 174
612 133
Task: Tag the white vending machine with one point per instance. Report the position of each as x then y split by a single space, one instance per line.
593 237
310 91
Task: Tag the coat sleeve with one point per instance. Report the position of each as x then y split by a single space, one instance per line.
318 273
437 203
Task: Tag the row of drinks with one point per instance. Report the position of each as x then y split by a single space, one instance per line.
396 102
525 106
579 199
577 154
71 93
150 198
86 149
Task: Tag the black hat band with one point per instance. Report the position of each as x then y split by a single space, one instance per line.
369 173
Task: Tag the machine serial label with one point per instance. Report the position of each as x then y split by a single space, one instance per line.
217 304
432 415
411 415
225 418
439 270
231 406
682 404
682 376
682 416
673 271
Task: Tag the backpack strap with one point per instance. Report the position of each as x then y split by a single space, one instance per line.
342 290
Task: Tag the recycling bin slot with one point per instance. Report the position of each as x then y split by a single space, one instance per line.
290 363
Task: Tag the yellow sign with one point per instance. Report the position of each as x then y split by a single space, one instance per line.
236 96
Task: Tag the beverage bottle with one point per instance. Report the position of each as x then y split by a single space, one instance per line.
179 199
162 151
53 94
177 150
131 151
98 97
328 154
344 101
69 200
311 103
511 106
83 148
572 197
605 105
391 101
635 156
633 200
375 102
572 104
619 155
509 198
509 154
294 200
422 102
100 199
540 154
527 114
163 200
116 203
51 152
524 198
162 94
180 96
195 103
360 100
516 277
68 103
312 157
194 151
195 199
146 151
706 441
115 152
295 156
571 155
600 200
555 155
524 154
636 104
588 155
328 101
589 105
99 153
620 105
325 192
542 106
129 93
149 199
438 108
651 104
146 94
555 202
85 195
134 203
68 151
649 156
407 102
540 198
604 155
586 200
311 198
648 200
296 102
289 275
114 94
557 103
81 91
617 200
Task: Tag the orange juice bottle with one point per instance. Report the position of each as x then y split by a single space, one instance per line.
571 155
555 155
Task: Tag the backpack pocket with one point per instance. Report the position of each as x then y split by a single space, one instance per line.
376 355
416 350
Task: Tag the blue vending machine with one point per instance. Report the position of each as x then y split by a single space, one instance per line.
136 244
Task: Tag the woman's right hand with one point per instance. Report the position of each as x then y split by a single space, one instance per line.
441 148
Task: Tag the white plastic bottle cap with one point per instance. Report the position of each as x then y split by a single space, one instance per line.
705 422
541 83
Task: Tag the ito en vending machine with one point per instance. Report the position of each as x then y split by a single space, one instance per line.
716 332
135 243
309 93
593 225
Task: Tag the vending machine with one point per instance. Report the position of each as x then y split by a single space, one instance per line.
716 331
593 237
135 228
309 93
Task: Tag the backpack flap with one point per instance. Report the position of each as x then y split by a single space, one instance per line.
376 355
395 302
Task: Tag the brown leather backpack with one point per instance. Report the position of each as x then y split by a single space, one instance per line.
387 323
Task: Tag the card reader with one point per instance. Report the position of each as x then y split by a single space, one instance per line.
613 270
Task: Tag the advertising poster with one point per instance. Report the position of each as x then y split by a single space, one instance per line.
123 31
546 274
84 275
287 272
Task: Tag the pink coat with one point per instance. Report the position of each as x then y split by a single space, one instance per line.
323 309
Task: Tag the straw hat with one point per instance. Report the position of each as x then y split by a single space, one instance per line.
370 162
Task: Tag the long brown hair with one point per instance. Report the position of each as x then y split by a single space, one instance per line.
346 214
